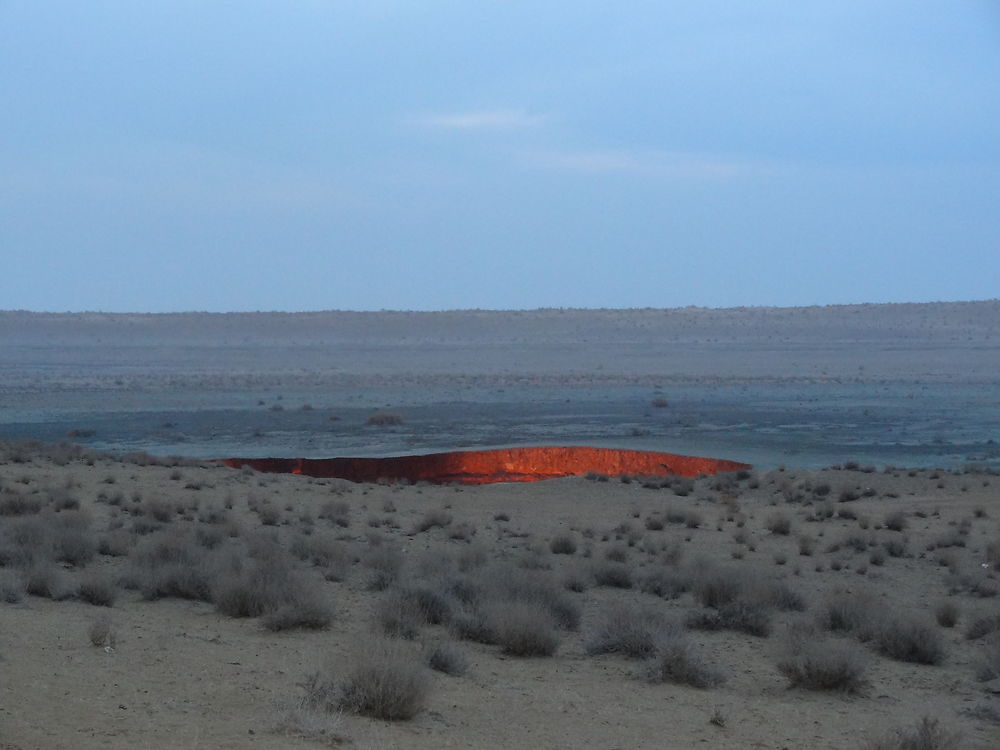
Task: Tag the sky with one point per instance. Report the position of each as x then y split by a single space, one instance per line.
239 155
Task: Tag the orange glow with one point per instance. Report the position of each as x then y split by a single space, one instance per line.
498 465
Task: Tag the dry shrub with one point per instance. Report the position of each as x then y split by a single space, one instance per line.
11 586
98 589
447 658
577 580
779 523
946 614
384 561
471 623
388 682
895 521
502 583
909 640
612 574
927 736
44 579
716 587
159 509
525 629
982 626
304 607
989 665
117 543
438 518
15 504
384 419
171 565
402 611
563 544
807 545
267 586
822 664
101 631
269 515
628 630
677 661
336 512
71 539
849 612
739 616
665 582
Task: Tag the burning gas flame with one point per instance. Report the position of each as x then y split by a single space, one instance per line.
498 465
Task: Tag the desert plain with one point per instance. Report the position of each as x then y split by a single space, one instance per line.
842 593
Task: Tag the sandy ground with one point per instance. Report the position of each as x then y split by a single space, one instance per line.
182 675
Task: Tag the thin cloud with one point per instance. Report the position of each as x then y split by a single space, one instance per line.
647 164
482 119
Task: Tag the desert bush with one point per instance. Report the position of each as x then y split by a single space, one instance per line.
909 640
387 682
894 547
616 553
631 631
471 557
447 658
101 631
577 580
682 486
503 584
993 552
11 586
470 623
71 539
384 563
525 629
988 667
779 523
668 583
563 544
674 515
304 607
927 736
439 518
654 523
612 574
717 586
807 545
739 616
336 512
171 565
98 589
269 515
15 504
982 626
159 509
693 519
946 614
116 543
895 521
677 661
397 617
250 589
817 664
384 419
43 579
847 612
403 610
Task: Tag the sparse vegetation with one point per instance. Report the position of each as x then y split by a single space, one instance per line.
388 681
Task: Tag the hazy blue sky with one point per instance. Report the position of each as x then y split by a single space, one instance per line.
428 154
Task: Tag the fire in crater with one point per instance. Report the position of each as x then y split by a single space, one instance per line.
529 464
